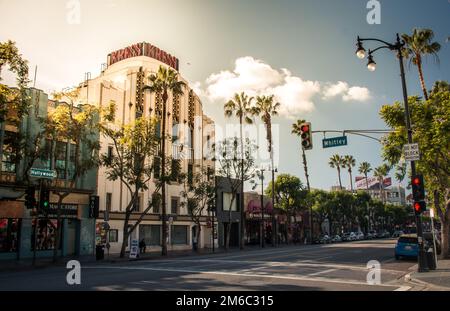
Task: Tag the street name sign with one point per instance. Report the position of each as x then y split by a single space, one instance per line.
411 152
42 173
334 142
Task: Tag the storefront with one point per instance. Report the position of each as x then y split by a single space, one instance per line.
23 233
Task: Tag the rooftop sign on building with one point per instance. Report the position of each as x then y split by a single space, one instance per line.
143 49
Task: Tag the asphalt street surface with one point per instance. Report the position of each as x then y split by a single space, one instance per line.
341 266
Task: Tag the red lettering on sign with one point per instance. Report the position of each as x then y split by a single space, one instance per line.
140 49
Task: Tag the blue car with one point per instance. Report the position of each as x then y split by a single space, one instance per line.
407 246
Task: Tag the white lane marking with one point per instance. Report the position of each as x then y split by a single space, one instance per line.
283 277
322 272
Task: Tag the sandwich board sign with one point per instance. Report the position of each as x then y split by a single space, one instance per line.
134 249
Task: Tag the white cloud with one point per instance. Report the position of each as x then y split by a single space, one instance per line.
256 78
357 93
295 94
354 93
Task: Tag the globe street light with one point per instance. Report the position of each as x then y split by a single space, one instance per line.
397 47
360 51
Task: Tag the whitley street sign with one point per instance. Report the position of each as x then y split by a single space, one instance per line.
42 173
411 152
334 142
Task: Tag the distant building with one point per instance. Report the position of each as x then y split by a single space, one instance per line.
394 195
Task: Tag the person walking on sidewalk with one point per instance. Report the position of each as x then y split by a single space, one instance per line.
142 246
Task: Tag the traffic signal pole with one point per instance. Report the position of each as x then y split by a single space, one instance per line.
422 263
36 218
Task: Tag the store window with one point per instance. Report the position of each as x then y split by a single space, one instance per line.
226 201
179 235
113 235
151 234
9 235
46 234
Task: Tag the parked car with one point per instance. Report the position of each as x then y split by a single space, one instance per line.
336 239
384 234
397 233
353 236
360 236
407 246
373 234
346 236
325 239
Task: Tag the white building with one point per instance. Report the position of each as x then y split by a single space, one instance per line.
122 81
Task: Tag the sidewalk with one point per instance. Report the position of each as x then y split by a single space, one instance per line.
438 279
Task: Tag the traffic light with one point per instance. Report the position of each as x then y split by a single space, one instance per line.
418 188
94 205
306 136
420 207
44 200
30 199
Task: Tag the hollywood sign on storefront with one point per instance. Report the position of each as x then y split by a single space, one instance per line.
143 49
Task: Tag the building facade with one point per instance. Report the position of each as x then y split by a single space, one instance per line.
21 228
122 81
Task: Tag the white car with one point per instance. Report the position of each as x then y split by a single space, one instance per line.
352 236
360 236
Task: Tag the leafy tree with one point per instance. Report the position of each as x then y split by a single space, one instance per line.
290 195
365 169
199 195
165 82
241 107
431 130
228 156
336 161
77 126
132 163
419 45
14 102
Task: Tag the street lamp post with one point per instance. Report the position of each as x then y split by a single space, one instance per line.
371 65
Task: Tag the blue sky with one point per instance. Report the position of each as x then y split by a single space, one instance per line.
313 39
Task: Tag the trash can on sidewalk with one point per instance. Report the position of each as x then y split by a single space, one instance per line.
99 252
430 259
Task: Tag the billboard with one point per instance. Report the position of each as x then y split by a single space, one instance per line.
372 182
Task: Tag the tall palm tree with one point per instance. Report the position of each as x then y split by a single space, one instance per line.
365 168
296 129
349 163
381 172
241 107
165 81
419 45
336 161
267 108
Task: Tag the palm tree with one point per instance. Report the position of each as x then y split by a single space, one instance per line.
349 163
165 81
336 161
365 168
296 129
381 172
240 106
417 46
266 108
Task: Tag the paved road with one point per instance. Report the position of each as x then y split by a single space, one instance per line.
317 267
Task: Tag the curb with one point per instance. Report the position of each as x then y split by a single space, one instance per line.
409 278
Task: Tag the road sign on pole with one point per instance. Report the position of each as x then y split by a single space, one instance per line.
42 173
334 142
411 152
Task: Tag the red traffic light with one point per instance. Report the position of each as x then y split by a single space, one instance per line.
416 181
417 207
305 128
